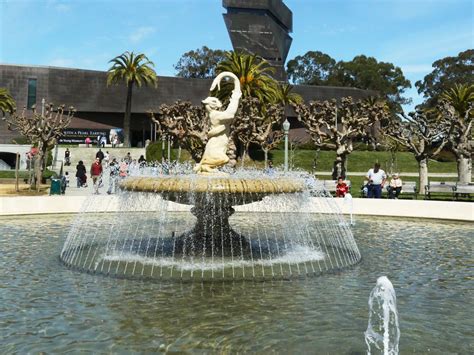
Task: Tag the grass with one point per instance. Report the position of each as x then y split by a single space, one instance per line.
23 174
361 161
9 190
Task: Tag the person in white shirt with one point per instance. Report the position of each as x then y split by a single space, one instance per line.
376 178
395 187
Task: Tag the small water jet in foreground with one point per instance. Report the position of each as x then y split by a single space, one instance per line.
382 331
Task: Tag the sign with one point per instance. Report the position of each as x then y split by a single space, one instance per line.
79 135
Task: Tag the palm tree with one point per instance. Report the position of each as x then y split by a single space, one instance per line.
7 104
132 69
461 97
254 74
286 96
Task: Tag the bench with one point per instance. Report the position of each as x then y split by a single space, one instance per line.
463 190
440 187
330 185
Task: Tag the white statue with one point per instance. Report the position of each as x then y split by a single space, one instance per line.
215 153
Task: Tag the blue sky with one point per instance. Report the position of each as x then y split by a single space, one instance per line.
86 34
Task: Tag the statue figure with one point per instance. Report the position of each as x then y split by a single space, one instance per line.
215 153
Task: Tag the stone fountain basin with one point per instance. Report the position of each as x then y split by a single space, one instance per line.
190 189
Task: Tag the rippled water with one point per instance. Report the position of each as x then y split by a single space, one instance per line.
46 307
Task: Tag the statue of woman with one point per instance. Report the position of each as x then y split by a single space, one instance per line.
215 153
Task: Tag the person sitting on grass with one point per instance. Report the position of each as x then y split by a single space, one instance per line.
395 187
341 187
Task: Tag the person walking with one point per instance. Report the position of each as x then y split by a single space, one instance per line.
67 157
113 177
100 155
96 173
81 174
106 159
376 179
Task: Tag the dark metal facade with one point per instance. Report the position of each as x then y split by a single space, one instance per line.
261 27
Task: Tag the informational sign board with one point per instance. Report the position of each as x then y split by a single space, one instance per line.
79 135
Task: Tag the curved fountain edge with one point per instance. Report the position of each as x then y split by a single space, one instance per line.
440 210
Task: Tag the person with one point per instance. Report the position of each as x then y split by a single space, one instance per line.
123 169
100 155
141 162
376 178
115 141
88 142
341 187
63 184
106 159
395 187
66 176
99 137
128 158
81 174
103 141
270 170
67 157
338 169
113 177
96 173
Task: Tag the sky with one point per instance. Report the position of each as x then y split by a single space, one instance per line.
86 34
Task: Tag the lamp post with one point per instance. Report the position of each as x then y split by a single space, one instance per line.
169 148
286 129
163 140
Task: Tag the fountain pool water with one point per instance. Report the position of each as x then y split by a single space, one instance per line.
212 237
49 308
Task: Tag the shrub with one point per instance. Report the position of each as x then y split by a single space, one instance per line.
153 152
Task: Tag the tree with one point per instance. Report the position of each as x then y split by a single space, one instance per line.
201 63
334 126
7 104
133 69
446 73
316 68
367 73
285 96
461 98
257 123
424 134
313 68
253 73
42 129
187 124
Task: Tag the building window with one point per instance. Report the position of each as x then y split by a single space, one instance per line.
31 93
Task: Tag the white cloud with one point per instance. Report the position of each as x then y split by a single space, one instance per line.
140 33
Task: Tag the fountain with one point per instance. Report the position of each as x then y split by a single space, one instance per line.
208 223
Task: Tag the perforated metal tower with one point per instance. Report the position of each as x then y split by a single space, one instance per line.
261 27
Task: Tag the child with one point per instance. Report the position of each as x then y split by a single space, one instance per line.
341 187
66 176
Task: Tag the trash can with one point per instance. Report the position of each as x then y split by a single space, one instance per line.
55 187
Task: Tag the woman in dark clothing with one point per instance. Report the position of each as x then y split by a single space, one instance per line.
81 174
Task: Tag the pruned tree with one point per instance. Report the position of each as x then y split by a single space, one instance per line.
461 98
259 124
425 134
42 129
336 126
187 124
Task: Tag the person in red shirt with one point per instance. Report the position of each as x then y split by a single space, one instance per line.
96 173
341 188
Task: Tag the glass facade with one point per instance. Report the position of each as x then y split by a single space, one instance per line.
31 93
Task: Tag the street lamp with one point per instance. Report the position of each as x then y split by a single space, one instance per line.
163 140
286 129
